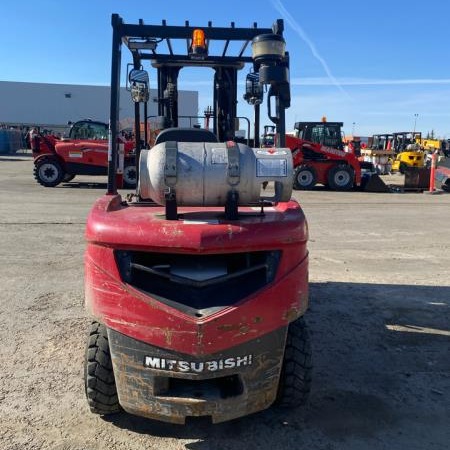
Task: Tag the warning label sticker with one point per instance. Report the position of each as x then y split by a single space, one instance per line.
75 155
271 167
219 156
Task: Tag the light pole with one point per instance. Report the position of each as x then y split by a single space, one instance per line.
353 129
415 123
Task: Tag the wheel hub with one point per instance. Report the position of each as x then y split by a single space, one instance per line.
48 172
342 178
129 175
305 178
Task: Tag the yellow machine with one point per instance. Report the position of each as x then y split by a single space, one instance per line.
411 157
409 152
429 144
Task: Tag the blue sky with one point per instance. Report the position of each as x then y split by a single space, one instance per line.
372 65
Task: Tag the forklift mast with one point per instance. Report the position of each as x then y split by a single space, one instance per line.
401 139
157 44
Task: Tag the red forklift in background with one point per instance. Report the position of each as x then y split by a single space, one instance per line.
83 152
198 282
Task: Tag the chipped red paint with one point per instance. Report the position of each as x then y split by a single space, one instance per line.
113 224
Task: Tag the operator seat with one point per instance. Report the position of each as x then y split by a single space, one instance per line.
186 135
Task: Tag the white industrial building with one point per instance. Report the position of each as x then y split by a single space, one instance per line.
54 105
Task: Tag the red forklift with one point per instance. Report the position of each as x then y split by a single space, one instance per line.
198 282
83 152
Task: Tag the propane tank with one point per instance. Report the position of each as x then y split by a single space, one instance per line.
204 173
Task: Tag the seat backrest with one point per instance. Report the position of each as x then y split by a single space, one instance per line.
186 135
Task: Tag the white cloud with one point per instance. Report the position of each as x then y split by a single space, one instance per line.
306 39
323 81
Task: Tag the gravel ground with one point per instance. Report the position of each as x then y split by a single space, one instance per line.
379 319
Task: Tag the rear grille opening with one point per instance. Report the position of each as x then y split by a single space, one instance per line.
198 284
209 389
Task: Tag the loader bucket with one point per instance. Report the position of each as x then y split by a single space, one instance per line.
371 182
417 178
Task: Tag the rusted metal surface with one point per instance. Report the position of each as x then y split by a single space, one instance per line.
201 385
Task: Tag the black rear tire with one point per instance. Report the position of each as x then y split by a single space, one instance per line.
295 377
48 172
305 177
100 384
341 178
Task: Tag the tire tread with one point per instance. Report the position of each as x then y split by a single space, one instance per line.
100 385
296 373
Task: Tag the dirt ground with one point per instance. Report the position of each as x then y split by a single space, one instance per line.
379 319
